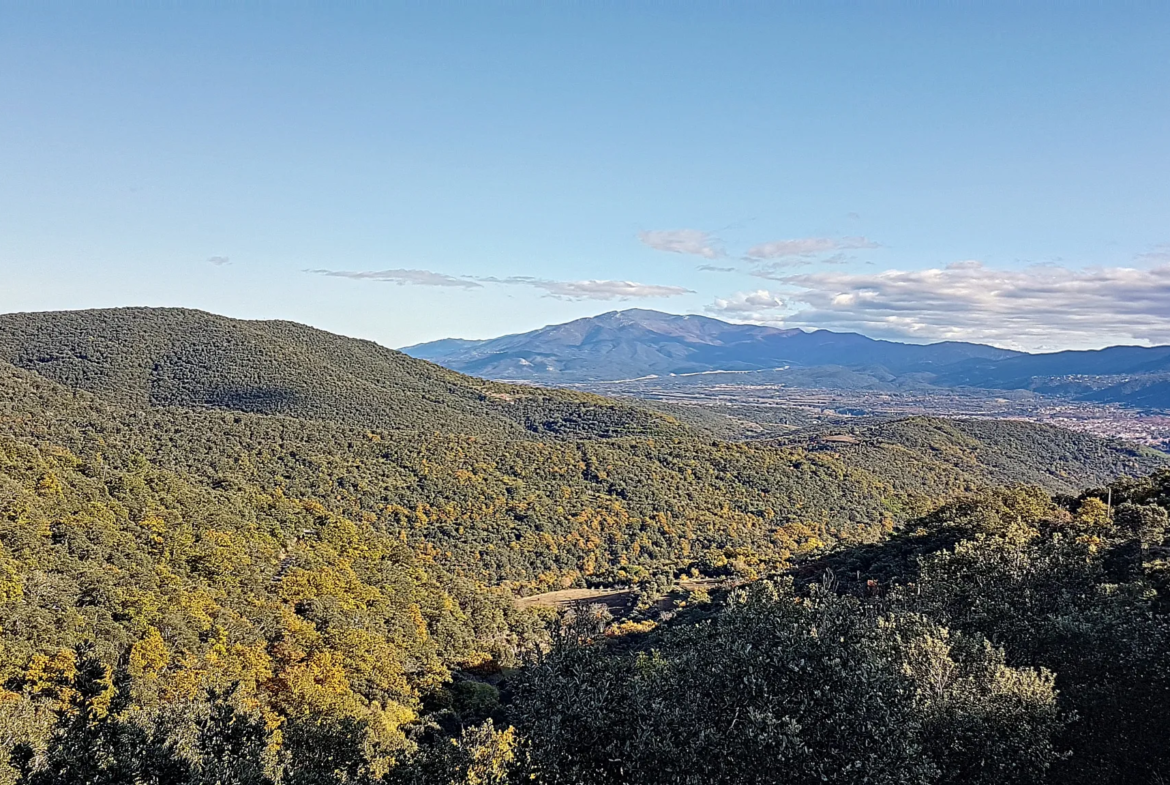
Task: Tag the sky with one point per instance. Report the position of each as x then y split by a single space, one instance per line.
995 172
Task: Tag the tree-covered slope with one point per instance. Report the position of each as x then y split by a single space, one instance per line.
307 617
1004 638
168 357
1001 452
193 592
539 513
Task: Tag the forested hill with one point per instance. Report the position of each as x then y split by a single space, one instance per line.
1004 452
150 357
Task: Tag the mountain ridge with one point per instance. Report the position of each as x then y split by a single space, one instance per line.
639 343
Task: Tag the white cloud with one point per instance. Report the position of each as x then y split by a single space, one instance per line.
684 241
219 261
402 277
1041 307
752 306
807 246
605 290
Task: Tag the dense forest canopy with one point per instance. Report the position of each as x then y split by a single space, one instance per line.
255 552
537 513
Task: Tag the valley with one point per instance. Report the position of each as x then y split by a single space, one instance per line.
771 408
769 379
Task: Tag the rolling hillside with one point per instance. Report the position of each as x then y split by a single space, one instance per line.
263 547
508 484
149 357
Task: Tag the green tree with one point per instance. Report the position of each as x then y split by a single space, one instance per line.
89 745
1050 602
784 688
231 744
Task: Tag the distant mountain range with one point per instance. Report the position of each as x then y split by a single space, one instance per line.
640 343
624 344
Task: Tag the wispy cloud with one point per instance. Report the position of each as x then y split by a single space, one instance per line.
593 289
568 290
402 277
807 246
684 241
219 261
714 268
781 269
1041 307
1159 255
607 290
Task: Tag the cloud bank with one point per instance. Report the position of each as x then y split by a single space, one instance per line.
1042 307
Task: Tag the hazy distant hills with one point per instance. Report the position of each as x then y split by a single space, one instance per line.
637 343
1132 375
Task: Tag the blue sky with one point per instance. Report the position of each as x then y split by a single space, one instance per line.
405 172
